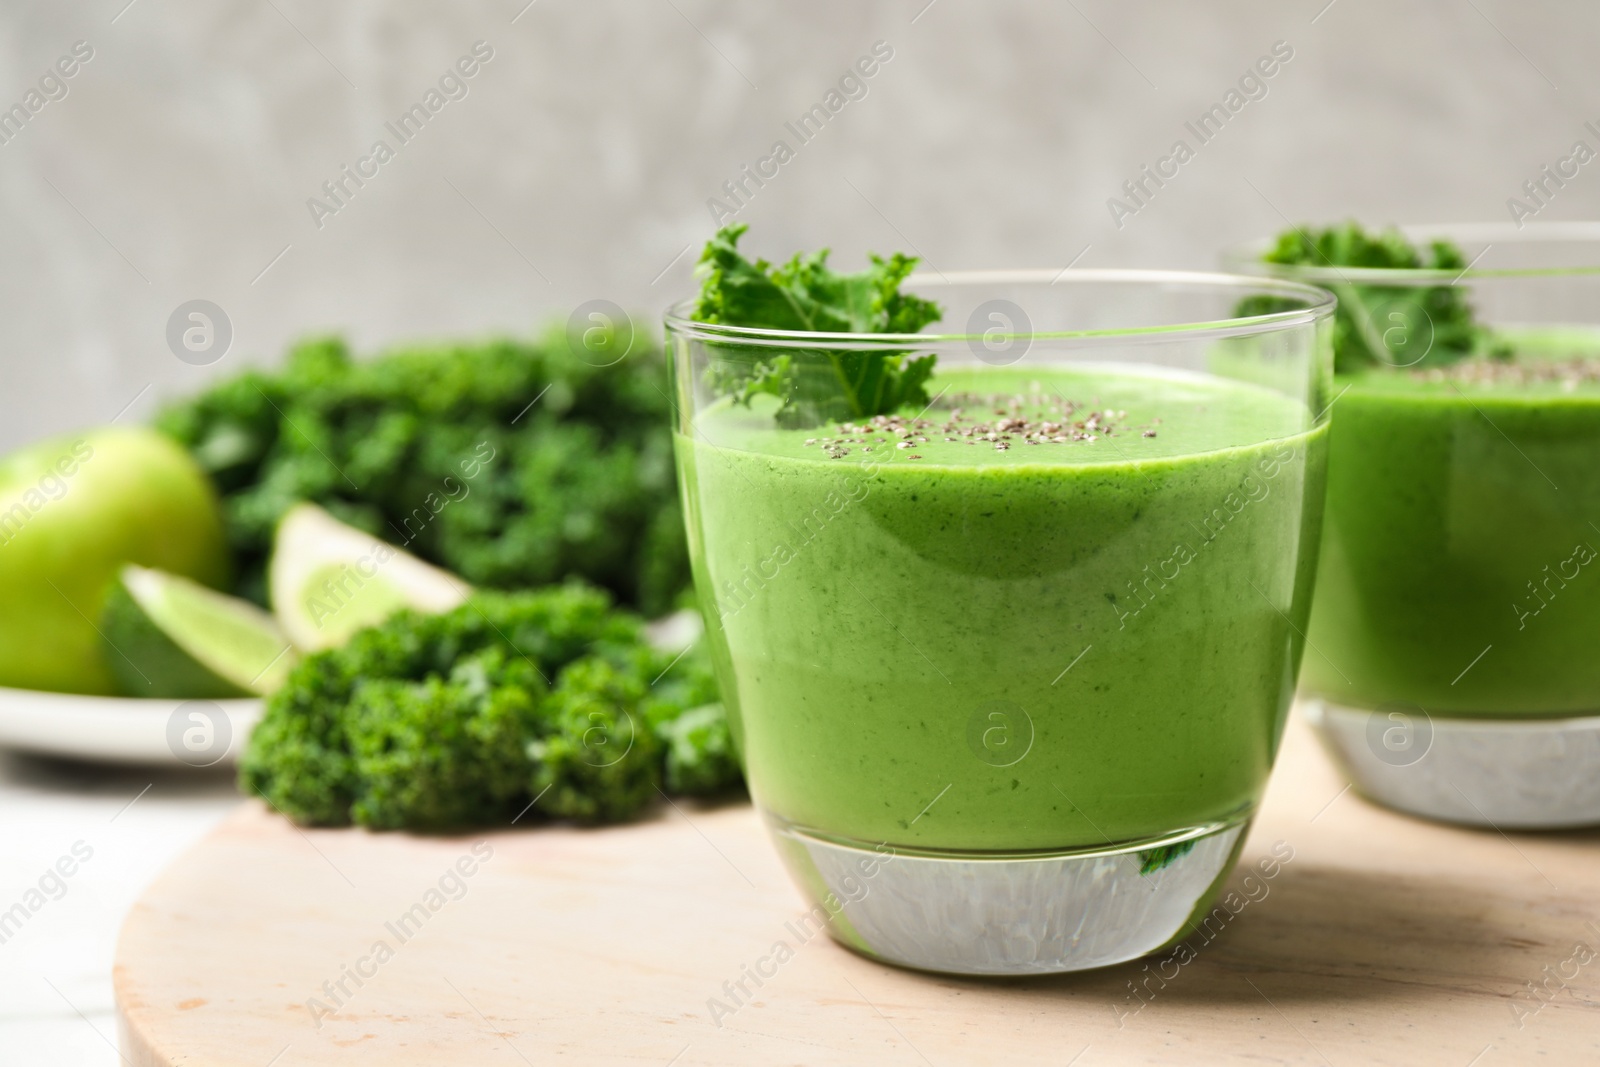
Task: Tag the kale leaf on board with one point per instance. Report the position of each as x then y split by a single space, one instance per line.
512 464
442 722
804 294
1378 325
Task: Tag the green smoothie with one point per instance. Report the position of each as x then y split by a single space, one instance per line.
1458 566
1060 608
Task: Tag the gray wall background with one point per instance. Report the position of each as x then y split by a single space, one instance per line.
580 162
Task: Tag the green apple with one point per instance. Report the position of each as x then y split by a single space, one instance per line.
72 511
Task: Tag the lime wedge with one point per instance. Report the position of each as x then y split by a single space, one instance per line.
329 580
167 636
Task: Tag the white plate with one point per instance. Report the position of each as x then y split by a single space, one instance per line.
196 733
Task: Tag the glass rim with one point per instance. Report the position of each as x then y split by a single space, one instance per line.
1247 257
1319 304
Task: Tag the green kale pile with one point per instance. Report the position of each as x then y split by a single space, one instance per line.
512 464
547 699
1379 325
805 295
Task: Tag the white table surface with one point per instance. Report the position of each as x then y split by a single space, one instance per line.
56 1003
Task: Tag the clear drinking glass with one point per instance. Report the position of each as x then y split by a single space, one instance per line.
1008 667
1454 671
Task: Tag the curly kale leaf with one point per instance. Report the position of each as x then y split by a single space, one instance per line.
549 699
1152 860
598 761
1396 326
701 758
436 754
804 294
299 759
684 710
743 380
512 464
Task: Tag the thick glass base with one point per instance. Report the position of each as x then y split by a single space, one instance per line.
1017 913
1526 774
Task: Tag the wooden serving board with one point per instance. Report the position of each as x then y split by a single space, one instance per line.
1384 940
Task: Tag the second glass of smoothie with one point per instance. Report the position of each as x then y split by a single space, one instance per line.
1453 670
1009 669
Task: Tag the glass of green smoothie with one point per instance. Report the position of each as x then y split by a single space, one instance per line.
1007 614
1454 663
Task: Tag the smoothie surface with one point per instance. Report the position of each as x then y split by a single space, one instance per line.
1015 417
